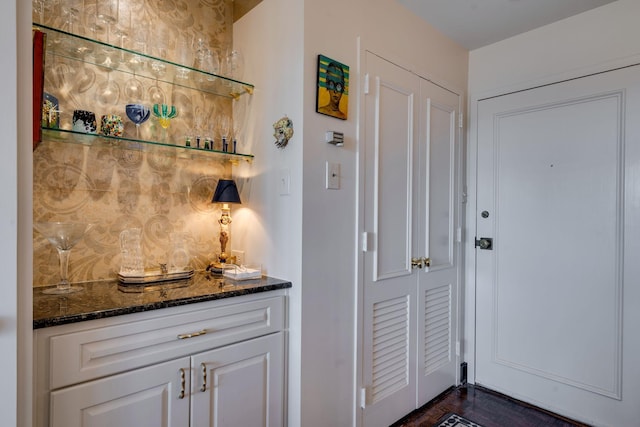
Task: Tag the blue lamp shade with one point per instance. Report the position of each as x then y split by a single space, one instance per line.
226 192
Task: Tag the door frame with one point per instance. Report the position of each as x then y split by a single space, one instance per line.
461 159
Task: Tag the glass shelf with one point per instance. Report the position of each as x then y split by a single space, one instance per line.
68 136
71 46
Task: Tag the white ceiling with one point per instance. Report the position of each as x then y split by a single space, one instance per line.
477 23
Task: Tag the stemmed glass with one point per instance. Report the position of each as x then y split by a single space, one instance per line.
107 12
71 10
164 113
160 43
236 135
63 236
138 114
156 94
234 64
225 125
184 52
133 89
108 91
207 59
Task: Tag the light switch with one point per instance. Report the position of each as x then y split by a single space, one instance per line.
285 182
333 176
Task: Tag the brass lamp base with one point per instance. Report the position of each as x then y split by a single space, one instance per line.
216 268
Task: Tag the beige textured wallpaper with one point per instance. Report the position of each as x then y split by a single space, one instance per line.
161 190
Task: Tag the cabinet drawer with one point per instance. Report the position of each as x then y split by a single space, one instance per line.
93 353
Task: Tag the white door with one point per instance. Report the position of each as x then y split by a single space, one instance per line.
558 295
240 384
409 320
148 397
435 238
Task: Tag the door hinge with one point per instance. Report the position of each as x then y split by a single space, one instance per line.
366 84
363 397
367 241
460 120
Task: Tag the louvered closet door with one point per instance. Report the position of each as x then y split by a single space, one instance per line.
409 313
436 224
389 345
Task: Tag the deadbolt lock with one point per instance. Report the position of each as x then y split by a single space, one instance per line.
485 243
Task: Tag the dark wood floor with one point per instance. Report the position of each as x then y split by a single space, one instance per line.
485 407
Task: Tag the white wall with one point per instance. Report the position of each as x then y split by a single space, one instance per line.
24 188
594 41
15 122
310 237
8 220
269 228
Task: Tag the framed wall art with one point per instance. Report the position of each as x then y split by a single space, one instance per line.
38 83
332 92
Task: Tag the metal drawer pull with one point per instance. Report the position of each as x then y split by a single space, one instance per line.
192 334
182 383
204 377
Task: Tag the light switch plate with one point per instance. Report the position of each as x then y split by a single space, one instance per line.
285 182
333 176
239 256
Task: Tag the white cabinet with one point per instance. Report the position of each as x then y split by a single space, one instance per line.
216 363
239 385
146 397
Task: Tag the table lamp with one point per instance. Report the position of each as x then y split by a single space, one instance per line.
226 192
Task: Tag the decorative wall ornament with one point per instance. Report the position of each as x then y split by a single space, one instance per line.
283 131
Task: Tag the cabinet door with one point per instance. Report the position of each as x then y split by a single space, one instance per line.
242 383
147 397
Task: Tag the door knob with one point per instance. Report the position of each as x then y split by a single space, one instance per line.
426 262
416 262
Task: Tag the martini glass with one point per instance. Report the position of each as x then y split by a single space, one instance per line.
164 113
63 236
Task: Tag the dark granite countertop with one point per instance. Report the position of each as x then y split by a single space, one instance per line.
108 298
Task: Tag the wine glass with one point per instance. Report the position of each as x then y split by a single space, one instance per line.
133 89
138 43
184 56
93 25
108 92
164 113
225 126
236 136
138 114
156 94
234 64
63 236
160 43
107 12
207 59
